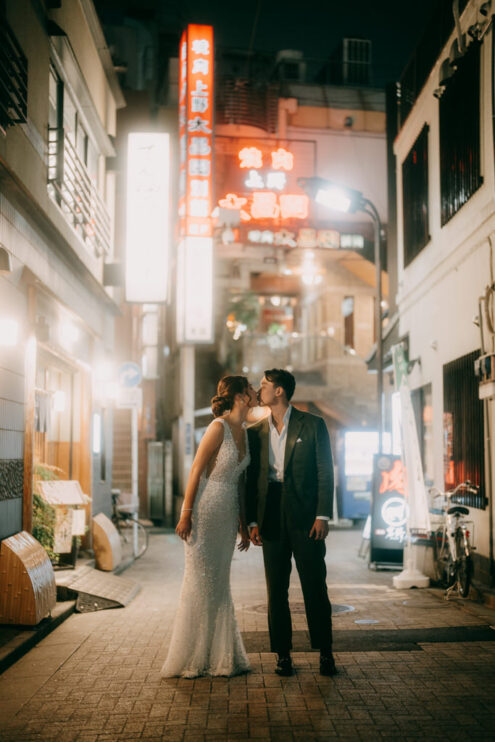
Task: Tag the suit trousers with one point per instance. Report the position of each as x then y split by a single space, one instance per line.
281 541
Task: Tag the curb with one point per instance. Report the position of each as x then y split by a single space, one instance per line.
28 637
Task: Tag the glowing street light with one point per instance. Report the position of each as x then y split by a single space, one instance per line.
341 198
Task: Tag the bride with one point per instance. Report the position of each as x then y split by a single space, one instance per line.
205 638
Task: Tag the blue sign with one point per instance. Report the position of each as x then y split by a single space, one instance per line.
129 375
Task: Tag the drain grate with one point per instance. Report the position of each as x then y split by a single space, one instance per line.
298 608
98 591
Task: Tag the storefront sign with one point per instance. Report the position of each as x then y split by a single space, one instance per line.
195 278
259 178
129 374
388 510
147 209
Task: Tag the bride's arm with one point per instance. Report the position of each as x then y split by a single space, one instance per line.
243 529
207 450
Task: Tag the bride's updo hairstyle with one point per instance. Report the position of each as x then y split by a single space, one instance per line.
227 388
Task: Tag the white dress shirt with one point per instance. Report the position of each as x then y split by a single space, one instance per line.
276 448
276 453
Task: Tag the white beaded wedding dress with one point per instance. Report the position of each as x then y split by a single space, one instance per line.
205 638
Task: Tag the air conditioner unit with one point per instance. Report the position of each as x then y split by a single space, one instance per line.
290 65
484 369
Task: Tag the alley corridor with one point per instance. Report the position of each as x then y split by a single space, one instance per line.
411 666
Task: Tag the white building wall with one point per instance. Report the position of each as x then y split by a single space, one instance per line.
439 290
356 159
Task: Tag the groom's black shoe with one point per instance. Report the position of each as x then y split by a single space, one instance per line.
327 664
284 665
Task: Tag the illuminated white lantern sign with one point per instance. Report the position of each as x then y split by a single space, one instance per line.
147 240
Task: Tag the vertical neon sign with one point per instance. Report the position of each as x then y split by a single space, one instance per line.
195 264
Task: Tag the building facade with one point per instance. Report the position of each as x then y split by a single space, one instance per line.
58 115
446 218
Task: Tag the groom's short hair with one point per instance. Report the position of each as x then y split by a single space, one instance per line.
283 378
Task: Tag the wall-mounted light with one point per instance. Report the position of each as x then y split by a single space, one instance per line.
9 332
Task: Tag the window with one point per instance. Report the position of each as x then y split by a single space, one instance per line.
13 77
348 314
460 174
464 451
73 168
415 197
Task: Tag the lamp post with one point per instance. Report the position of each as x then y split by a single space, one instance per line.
341 198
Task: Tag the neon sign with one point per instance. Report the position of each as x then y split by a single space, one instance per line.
282 159
266 199
195 255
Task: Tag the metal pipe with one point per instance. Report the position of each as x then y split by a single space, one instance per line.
372 211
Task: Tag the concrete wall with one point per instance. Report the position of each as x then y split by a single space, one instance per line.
438 292
45 250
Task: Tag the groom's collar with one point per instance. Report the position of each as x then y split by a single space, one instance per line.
286 417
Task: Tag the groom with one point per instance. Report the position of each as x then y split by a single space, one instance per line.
289 501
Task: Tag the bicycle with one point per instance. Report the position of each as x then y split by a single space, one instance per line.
133 534
452 550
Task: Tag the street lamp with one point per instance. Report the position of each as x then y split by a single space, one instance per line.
341 198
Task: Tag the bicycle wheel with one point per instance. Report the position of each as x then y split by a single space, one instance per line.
444 573
134 538
464 563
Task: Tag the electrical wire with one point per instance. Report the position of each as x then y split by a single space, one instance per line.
490 296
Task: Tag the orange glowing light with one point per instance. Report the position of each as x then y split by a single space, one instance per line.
251 157
231 201
282 159
265 205
394 480
294 206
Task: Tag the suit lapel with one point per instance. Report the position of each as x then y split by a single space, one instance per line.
264 443
295 423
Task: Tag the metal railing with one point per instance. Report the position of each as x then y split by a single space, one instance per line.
302 353
244 101
73 189
13 79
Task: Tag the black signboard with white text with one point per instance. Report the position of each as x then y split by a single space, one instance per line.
388 511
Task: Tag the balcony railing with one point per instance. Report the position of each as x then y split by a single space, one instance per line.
13 79
72 188
243 101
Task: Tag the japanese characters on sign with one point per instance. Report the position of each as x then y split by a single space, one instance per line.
388 510
195 258
199 131
265 179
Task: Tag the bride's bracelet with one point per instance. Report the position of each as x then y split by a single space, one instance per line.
185 510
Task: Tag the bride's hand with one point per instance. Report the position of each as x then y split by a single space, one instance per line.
184 526
245 541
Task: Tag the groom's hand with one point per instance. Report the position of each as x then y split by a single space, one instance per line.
319 530
254 534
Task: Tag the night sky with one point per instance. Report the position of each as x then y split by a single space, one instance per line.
312 26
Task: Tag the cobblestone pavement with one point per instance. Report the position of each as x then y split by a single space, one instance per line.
96 677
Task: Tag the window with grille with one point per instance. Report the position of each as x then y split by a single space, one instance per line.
415 198
464 451
460 162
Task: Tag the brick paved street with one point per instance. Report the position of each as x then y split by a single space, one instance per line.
96 677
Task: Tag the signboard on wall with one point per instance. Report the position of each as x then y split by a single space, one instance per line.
388 510
258 178
147 214
195 258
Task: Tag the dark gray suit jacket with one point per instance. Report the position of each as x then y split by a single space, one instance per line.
308 471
